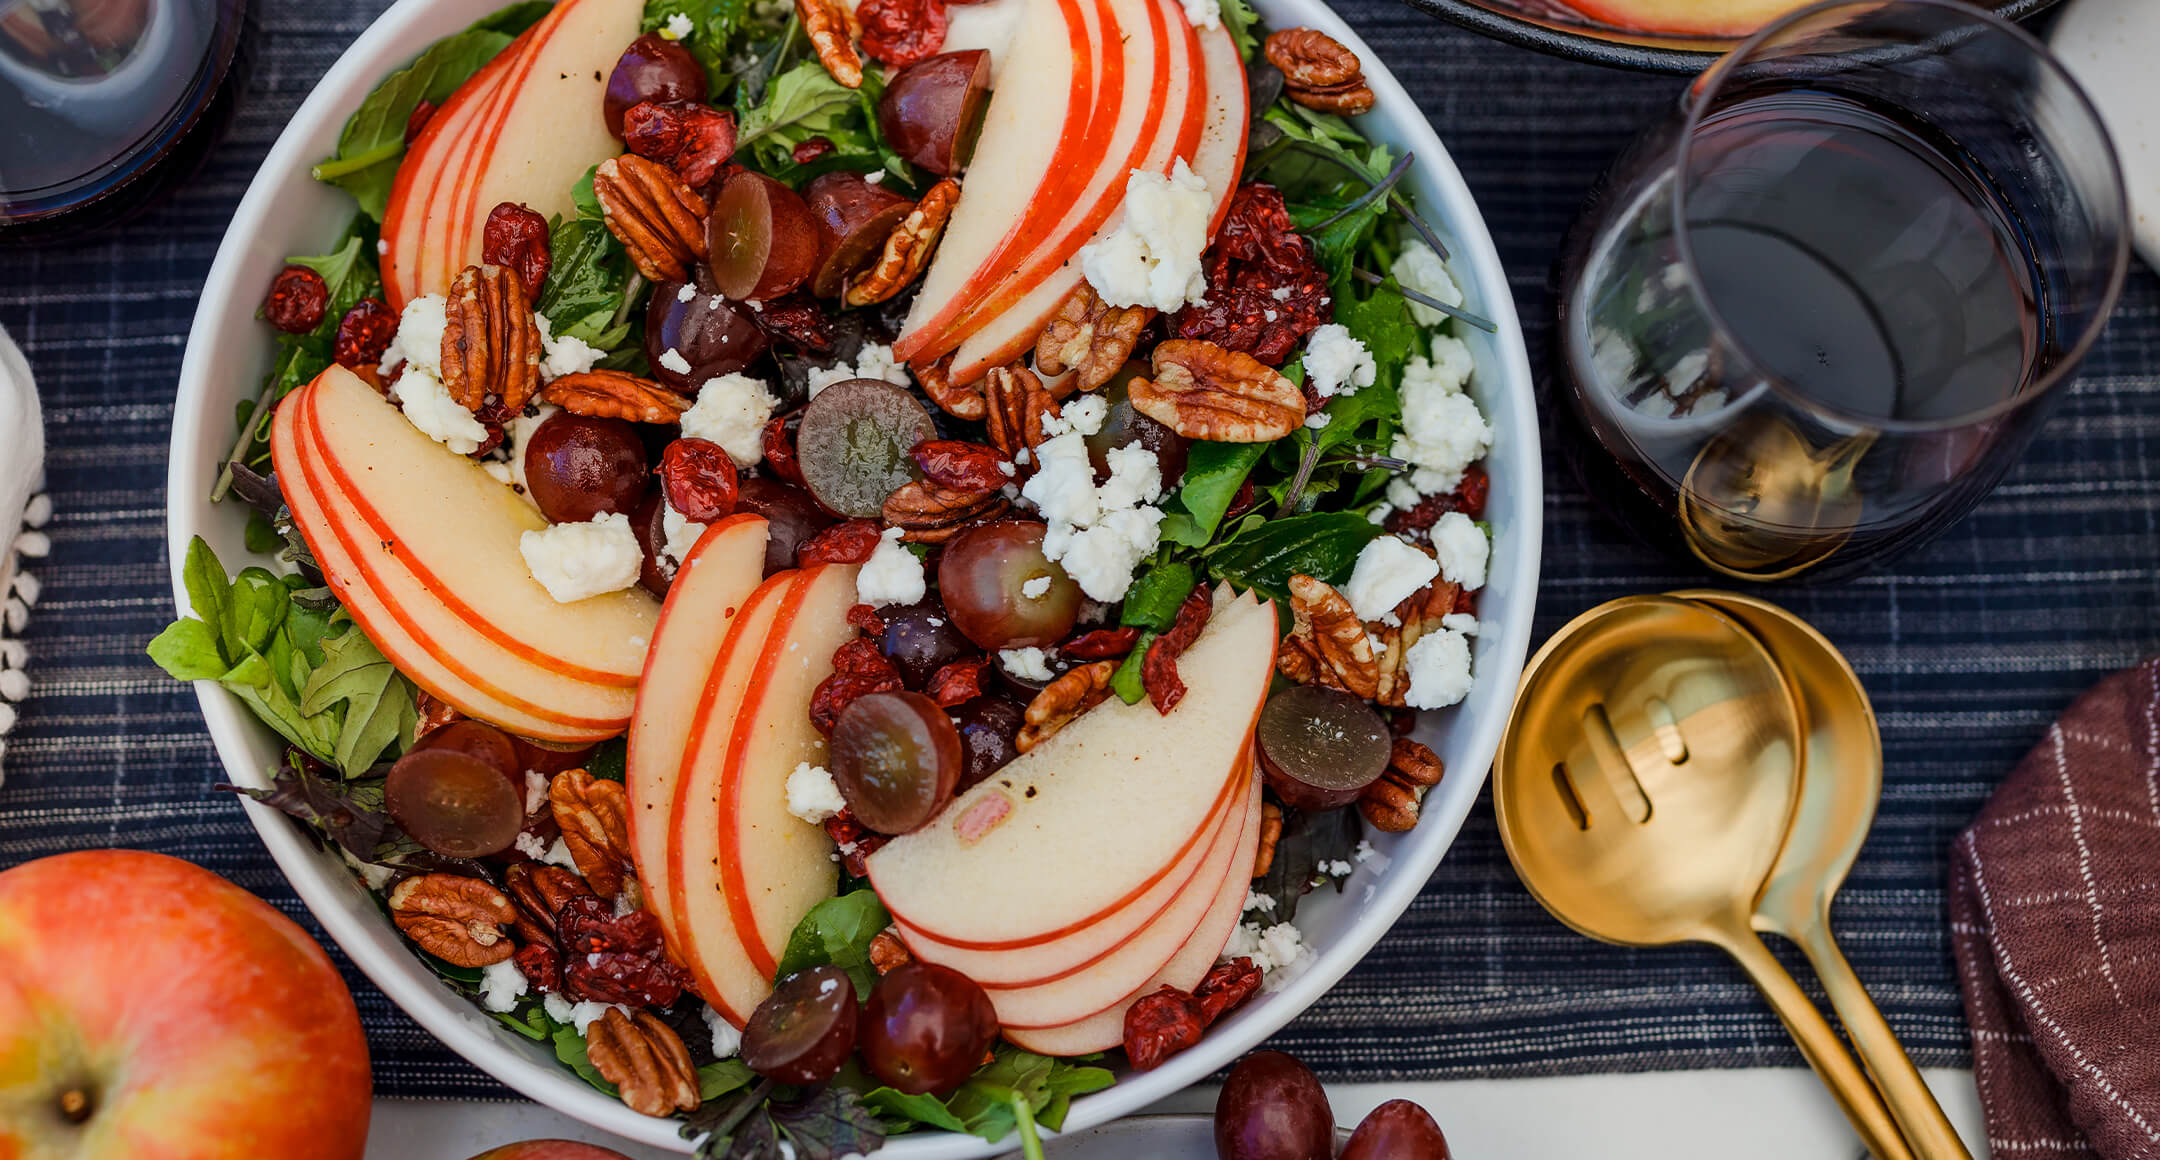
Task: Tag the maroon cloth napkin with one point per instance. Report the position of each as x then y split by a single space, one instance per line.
2055 922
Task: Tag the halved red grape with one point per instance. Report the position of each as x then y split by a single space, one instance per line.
896 757
709 335
989 733
477 739
790 515
854 441
1397 1130
1273 1108
653 68
577 467
920 639
549 757
656 572
932 109
854 218
1321 747
760 240
1125 426
1002 591
805 1030
925 1028
455 804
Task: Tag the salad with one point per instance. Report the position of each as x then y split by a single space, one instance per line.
838 565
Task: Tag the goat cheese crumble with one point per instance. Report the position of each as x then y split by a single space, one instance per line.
1336 362
1443 432
874 361
418 341
1203 13
578 561
679 533
1279 951
1085 414
812 794
1419 268
1463 550
1037 588
501 984
1439 668
726 1041
1028 664
732 410
1387 572
678 27
892 574
1098 535
428 406
1153 257
567 355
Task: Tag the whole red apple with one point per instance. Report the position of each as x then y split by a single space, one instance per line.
151 1010
550 1150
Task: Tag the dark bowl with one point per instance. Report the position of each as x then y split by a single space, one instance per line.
1551 26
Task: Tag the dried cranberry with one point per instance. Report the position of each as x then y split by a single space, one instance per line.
957 683
901 32
418 119
692 139
1101 644
866 620
811 150
856 841
699 479
616 959
1265 290
517 238
1225 987
962 466
798 319
1244 501
859 670
364 334
1158 670
844 543
542 967
1160 1025
1468 498
780 448
297 300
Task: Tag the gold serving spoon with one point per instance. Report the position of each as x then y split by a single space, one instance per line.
1644 786
1840 784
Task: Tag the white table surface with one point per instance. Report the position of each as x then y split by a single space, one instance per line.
1759 1114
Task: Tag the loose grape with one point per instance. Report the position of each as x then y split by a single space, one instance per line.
805 1030
1320 747
1002 591
651 69
896 757
1273 1108
989 733
920 639
1397 1130
707 335
1125 426
453 803
480 740
926 1028
790 515
577 467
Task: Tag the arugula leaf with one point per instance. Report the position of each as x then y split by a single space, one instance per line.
373 140
1126 682
609 759
587 284
515 18
722 1076
1152 601
712 28
837 932
799 104
1323 545
903 1111
1213 474
379 706
349 813
1045 1086
1244 26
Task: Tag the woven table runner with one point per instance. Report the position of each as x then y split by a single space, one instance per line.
1969 650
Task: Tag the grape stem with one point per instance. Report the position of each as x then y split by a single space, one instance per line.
338 167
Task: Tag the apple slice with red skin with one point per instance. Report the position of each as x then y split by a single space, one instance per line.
932 109
442 652
458 529
1087 822
1039 111
419 179
1052 960
1106 1029
1121 973
1728 18
711 586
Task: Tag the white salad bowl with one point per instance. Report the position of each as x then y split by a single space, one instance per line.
229 350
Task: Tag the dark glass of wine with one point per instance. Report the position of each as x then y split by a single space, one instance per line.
1811 319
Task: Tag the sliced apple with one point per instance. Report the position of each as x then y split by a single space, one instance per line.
1106 1028
710 944
422 635
1042 102
710 589
418 180
1090 820
1121 973
1730 18
1220 157
1056 958
458 528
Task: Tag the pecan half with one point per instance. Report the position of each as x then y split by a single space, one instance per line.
657 218
615 395
1270 837
1062 700
595 820
1318 71
955 399
1202 391
1089 337
832 31
490 342
907 248
1390 804
1016 402
457 919
645 1060
888 952
1327 645
539 890
927 513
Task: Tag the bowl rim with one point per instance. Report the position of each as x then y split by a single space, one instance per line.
1589 47
328 888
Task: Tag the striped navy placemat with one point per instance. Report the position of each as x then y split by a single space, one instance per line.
1968 650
